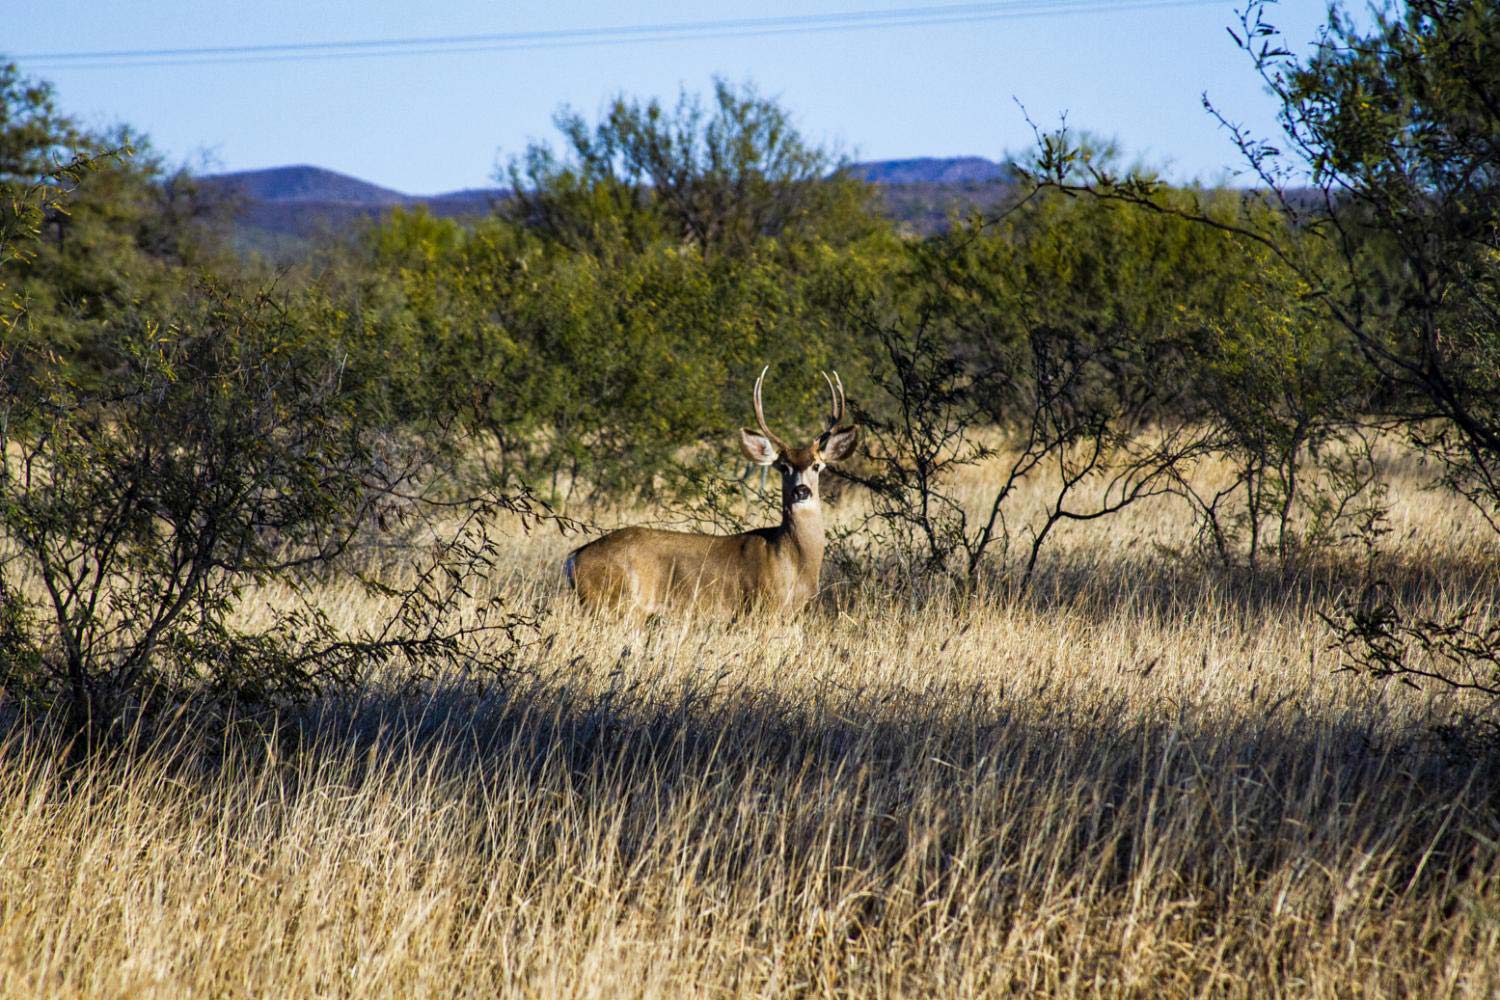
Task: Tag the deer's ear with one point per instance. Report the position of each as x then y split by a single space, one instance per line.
839 445
757 447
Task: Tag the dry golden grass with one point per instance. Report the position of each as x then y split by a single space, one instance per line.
1139 780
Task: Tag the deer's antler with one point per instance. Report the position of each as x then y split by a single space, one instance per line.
836 391
760 413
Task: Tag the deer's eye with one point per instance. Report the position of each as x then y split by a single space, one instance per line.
818 466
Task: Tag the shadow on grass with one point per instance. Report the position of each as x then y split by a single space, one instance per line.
956 780
974 800
1167 585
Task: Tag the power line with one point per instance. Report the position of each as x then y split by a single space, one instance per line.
899 17
564 33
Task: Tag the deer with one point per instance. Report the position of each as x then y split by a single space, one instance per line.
775 567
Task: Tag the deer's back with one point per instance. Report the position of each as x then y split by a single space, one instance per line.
650 567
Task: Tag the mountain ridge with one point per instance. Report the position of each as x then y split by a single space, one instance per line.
929 170
277 210
303 182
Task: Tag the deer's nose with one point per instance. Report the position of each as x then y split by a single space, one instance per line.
800 494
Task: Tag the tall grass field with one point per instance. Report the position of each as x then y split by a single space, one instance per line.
1140 778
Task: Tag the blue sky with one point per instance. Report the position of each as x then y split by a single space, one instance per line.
430 123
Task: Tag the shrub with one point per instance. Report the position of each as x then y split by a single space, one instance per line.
213 449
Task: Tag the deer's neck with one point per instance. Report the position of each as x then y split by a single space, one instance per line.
801 534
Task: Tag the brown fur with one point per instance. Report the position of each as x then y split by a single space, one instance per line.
775 567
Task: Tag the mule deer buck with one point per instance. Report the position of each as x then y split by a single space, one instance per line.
774 567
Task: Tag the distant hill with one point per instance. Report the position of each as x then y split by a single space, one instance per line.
305 184
930 170
280 211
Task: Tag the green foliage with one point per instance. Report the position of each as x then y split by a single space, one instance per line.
1403 120
1287 400
118 242
1064 325
612 349
169 441
603 333
35 138
718 179
1396 246
221 453
1397 126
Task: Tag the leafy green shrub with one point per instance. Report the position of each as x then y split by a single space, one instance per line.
209 449
580 368
719 179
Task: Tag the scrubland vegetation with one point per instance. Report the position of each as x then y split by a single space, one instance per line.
1135 781
1157 652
